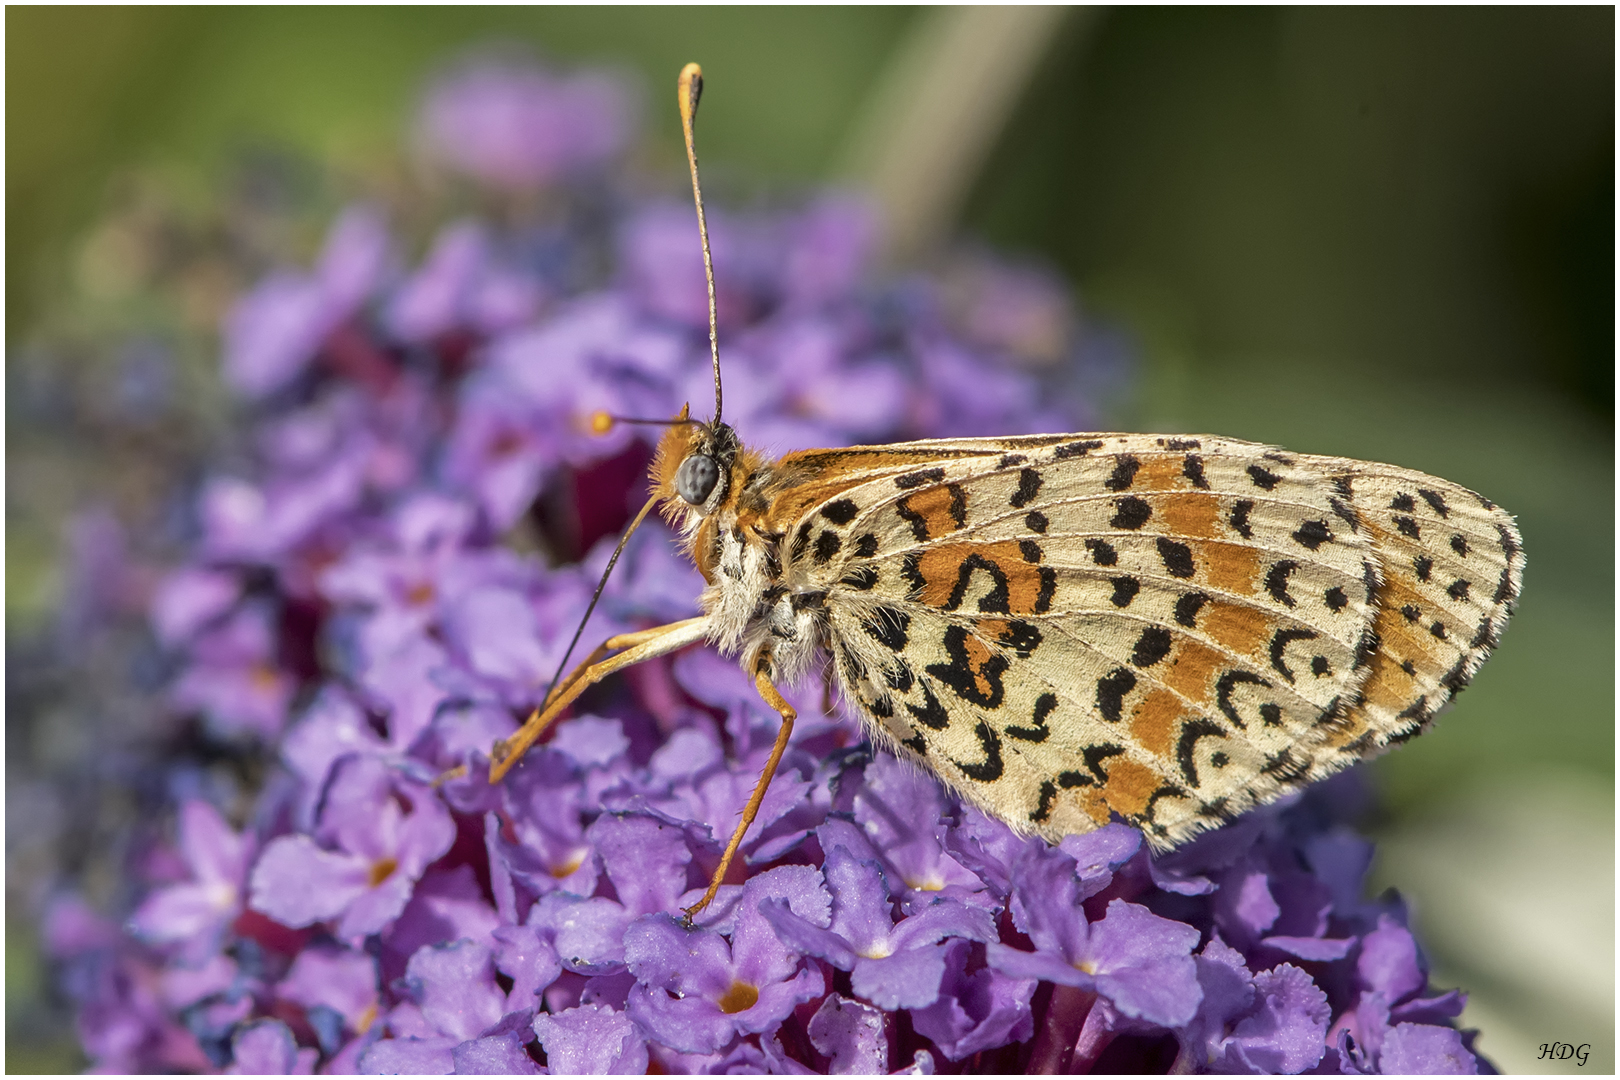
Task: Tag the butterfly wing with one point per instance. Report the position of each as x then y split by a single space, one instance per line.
1062 627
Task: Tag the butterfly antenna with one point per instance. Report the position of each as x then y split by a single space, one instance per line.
597 595
689 89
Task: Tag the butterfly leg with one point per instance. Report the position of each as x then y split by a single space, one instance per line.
638 646
773 698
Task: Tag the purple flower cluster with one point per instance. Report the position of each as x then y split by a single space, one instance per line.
366 600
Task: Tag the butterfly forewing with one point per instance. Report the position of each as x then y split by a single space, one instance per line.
1172 629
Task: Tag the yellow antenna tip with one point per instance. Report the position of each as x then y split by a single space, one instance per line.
689 88
601 422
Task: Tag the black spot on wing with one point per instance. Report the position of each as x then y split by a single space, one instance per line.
1459 544
888 626
1421 565
1043 599
1270 715
827 545
1030 550
1151 647
1009 460
1418 710
1335 599
910 569
1176 556
1035 521
1458 590
1043 807
1029 485
1181 444
1312 534
1102 552
866 545
1191 732
1076 449
1435 501
1403 501
993 601
1094 756
1407 526
1192 467
930 714
1037 732
1505 590
919 478
1125 466
1131 513
861 577
1111 691
1366 648
980 685
1335 711
1438 629
1277 581
1021 637
1240 518
989 770
1287 766
1263 478
841 512
1320 667
1125 590
1187 607
1280 641
1223 693
899 677
1510 546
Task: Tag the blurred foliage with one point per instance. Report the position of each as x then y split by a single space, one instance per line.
92 89
1360 192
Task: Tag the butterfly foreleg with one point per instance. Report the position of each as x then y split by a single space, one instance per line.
773 698
638 646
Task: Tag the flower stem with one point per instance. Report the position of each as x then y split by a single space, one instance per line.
1054 1042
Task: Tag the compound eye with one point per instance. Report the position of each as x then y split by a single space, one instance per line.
695 479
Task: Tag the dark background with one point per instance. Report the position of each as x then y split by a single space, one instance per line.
1384 233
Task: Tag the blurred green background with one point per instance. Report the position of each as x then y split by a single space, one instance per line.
1383 233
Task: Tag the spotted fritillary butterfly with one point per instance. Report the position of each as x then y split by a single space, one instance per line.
1066 628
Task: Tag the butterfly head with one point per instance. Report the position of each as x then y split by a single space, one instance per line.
692 471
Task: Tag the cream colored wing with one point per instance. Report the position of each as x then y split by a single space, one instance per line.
1165 628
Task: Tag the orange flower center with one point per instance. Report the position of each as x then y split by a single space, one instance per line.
382 870
739 997
568 865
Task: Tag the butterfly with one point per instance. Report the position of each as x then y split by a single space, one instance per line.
1065 629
